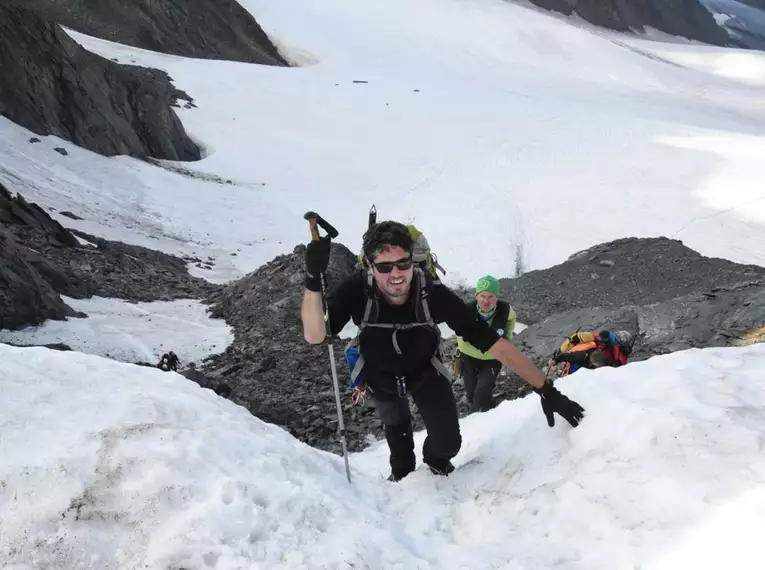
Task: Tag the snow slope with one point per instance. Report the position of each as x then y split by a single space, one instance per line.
109 465
490 124
133 332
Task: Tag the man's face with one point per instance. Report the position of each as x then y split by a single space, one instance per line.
392 269
486 301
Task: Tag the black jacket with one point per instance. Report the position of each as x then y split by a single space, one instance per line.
418 345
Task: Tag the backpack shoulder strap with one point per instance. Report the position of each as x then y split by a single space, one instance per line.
371 300
422 297
501 315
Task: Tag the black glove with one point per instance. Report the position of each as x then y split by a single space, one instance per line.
316 262
554 401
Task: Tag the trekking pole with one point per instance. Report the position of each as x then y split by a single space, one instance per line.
314 220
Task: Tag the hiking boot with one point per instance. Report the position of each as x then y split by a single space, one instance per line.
443 469
398 476
395 478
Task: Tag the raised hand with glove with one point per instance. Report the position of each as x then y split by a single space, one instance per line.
316 262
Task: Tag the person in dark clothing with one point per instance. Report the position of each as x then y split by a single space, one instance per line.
169 361
479 370
401 351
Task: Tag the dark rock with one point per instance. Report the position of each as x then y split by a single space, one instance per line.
669 296
34 140
223 390
60 346
272 370
52 86
16 210
133 273
62 151
51 262
650 270
685 18
70 215
26 298
267 363
690 321
217 29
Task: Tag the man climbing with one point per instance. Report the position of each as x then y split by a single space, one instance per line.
399 347
479 369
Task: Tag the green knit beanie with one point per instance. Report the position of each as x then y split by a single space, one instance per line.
487 284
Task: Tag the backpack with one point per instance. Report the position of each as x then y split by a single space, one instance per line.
422 255
585 340
421 286
579 337
625 340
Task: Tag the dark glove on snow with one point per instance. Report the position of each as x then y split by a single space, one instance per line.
555 402
316 262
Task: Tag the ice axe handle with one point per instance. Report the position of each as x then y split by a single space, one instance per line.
316 221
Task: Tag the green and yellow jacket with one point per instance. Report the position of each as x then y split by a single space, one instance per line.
502 321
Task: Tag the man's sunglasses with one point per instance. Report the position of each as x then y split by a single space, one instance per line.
387 266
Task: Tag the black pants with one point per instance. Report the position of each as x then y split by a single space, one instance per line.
435 402
479 377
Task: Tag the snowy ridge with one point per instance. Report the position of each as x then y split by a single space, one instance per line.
108 465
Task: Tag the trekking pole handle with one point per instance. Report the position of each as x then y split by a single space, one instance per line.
315 219
313 224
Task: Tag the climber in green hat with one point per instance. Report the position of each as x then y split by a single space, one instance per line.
479 370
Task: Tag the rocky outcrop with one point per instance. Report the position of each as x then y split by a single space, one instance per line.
52 86
685 18
719 316
219 29
270 368
26 297
744 20
41 260
624 272
669 295
130 272
29 283
758 4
